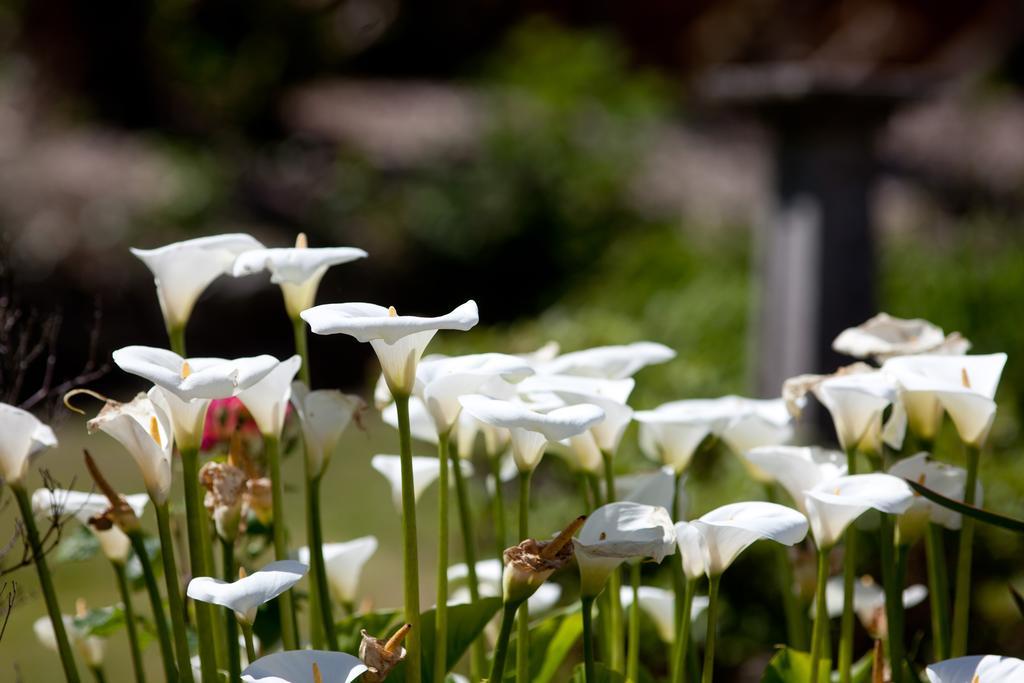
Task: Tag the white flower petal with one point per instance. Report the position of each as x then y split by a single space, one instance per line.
730 529
885 336
370 322
296 666
617 532
798 469
609 362
833 505
692 551
656 488
344 564
245 595
977 669
267 399
939 477
22 439
856 402
324 414
131 424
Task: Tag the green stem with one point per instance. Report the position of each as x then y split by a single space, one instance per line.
250 647
289 627
478 653
176 606
583 486
157 607
819 631
321 614
682 645
523 620
679 583
962 599
413 671
595 489
302 348
588 639
67 659
508 617
498 509
177 339
633 658
230 622
201 563
938 584
129 623
796 622
441 610
893 596
609 477
709 642
613 597
849 576
97 673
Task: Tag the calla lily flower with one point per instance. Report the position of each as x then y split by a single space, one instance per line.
344 563
729 530
660 604
446 379
671 433
833 505
184 269
115 545
324 414
144 430
868 600
267 400
798 469
609 362
398 340
940 477
489 576
976 669
607 433
298 666
885 336
297 270
90 648
425 471
857 402
618 532
617 390
245 595
692 551
496 439
965 386
531 431
22 439
652 488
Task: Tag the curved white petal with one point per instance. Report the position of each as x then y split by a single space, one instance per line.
617 390
204 377
977 669
671 433
868 597
856 402
884 336
22 439
692 551
115 545
730 529
370 322
425 470
294 265
245 595
324 414
656 488
609 431
344 564
144 430
617 532
495 438
833 505
296 666
182 270
267 399
797 469
945 479
609 362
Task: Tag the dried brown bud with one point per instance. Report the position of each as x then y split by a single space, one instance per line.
225 488
380 656
119 513
530 563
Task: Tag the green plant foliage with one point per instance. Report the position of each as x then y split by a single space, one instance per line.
378 624
602 674
78 545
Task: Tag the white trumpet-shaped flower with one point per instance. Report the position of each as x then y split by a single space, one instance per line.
324 415
22 439
531 431
444 380
267 400
857 402
660 604
398 340
671 433
656 488
495 439
182 270
304 666
834 505
965 386
609 362
425 470
617 532
798 469
608 432
144 430
489 576
245 595
344 564
868 598
885 336
116 546
90 648
976 669
729 530
940 477
692 552
617 390
298 270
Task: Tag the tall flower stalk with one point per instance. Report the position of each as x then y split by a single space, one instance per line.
410 549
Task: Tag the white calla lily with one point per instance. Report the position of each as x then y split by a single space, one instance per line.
324 415
115 545
22 439
757 422
729 530
692 553
965 386
940 477
608 432
144 430
885 336
671 433
267 400
297 666
496 439
660 605
182 270
834 505
298 270
489 575
531 431
344 563
660 488
425 470
91 649
868 598
976 669
617 390
617 532
798 469
609 362
857 402
245 595
444 380
398 340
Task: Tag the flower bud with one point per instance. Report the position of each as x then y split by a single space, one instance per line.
530 563
382 656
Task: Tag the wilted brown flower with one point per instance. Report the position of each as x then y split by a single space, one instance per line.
381 657
531 562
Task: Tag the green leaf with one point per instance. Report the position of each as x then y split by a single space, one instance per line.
977 513
552 653
791 666
602 674
102 621
78 545
378 624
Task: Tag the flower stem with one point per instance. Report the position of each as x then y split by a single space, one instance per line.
177 339
796 622
523 620
413 672
441 610
819 631
938 585
289 627
962 599
130 625
709 641
176 606
97 673
893 596
498 509
683 635
679 583
633 657
508 617
849 576
157 607
588 639
200 559
302 348
478 654
250 647
616 660
321 614
67 659
231 623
